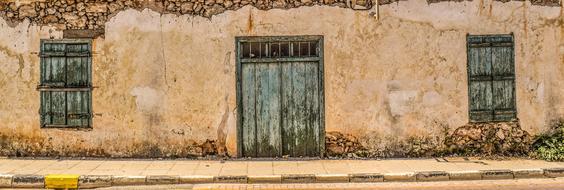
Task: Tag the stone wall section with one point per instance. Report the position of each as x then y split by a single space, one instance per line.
93 14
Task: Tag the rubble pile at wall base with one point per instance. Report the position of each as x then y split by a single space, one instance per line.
499 138
338 144
36 146
473 139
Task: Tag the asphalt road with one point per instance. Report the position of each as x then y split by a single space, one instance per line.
521 184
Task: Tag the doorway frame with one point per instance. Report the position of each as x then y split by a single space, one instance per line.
239 87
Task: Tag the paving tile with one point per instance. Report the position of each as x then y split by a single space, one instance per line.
108 172
336 167
368 166
284 167
77 171
86 165
234 168
260 168
155 172
208 168
135 166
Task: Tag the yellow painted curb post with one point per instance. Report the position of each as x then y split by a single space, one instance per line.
61 181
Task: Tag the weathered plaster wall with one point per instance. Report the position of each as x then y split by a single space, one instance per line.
165 84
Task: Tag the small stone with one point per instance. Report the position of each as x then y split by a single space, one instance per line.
113 7
228 4
50 19
80 6
186 7
27 11
500 134
214 10
13 6
209 2
170 7
97 8
51 11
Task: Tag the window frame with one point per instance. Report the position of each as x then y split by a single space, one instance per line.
491 40
45 86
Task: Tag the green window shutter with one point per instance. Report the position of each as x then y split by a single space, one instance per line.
479 66
503 83
491 78
65 83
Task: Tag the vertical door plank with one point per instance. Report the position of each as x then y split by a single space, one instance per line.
77 108
480 61
45 108
312 108
85 108
481 100
502 61
268 110
480 90
77 71
288 136
299 111
248 123
504 99
503 86
58 108
58 71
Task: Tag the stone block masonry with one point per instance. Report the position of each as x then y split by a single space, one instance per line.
93 14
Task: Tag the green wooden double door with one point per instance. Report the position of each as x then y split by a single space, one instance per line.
281 98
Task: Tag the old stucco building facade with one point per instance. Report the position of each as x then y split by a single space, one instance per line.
164 74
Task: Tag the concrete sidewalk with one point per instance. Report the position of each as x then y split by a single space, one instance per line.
104 173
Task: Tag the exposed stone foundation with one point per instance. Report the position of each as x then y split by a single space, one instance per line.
19 146
503 138
476 139
338 144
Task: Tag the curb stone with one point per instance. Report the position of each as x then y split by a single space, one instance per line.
406 176
373 177
465 175
94 181
128 180
332 178
28 181
432 176
5 180
497 174
193 179
298 178
528 173
265 179
61 181
230 179
554 172
162 179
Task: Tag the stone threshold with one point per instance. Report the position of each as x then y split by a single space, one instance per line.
65 181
